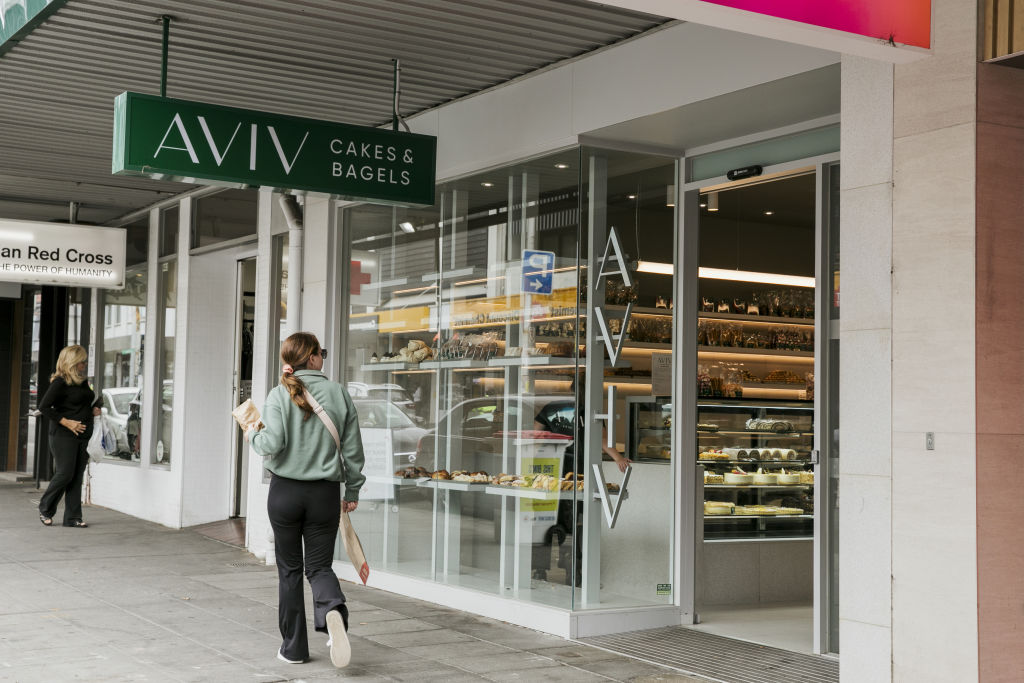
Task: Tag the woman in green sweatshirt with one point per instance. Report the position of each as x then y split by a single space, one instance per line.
305 502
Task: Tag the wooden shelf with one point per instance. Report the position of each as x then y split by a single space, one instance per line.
742 351
764 319
388 366
656 346
455 364
641 310
744 487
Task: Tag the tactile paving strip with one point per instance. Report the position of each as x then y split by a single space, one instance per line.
718 658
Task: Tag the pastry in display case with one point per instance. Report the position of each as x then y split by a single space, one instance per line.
755 409
757 474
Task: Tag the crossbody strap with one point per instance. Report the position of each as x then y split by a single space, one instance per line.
328 422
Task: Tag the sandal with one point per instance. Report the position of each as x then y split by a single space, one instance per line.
47 521
78 524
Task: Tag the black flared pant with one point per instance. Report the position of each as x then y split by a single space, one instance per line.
70 459
304 515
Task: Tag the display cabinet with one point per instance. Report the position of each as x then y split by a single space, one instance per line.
649 428
755 459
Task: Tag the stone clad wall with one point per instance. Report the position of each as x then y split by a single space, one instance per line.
934 526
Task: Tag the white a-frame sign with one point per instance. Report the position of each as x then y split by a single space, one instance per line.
614 348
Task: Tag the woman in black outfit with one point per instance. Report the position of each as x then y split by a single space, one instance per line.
69 404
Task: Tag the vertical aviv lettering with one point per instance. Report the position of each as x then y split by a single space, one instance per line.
176 121
613 244
252 148
217 156
280 152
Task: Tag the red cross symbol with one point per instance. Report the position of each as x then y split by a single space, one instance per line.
357 278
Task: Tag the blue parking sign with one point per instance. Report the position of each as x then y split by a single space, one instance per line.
537 271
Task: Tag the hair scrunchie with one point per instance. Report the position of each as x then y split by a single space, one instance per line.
287 370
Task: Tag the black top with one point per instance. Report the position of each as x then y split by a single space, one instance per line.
71 401
562 417
557 417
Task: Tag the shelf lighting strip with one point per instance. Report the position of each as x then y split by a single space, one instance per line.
657 268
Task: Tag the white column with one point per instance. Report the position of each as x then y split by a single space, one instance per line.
259 540
908 542
934 534
865 467
317 262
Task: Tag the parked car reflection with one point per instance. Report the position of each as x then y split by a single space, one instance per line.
405 435
395 393
117 409
134 425
468 434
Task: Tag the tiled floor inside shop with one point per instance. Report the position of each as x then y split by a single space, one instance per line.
789 627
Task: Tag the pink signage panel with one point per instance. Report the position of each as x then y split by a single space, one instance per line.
904 22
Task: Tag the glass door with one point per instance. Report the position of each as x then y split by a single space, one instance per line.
827 630
245 323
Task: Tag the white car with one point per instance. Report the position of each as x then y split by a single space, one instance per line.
395 393
116 407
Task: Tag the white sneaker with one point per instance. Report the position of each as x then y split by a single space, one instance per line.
289 661
341 650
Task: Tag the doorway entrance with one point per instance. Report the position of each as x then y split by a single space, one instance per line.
763 332
245 320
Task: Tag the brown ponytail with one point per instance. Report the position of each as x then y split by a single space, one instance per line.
296 351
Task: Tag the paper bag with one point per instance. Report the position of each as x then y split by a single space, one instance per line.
247 415
353 547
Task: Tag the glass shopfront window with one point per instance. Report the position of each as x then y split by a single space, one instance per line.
466 344
123 343
279 328
631 204
225 216
167 283
168 242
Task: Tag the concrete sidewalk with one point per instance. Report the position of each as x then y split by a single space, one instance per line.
127 600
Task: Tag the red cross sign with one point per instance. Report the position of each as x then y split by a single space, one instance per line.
357 278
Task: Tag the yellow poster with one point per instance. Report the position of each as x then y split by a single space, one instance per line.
549 466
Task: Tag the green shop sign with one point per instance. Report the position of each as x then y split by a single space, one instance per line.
167 139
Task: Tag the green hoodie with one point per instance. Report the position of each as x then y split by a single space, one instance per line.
303 449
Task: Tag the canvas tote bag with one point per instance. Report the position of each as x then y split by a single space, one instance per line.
353 547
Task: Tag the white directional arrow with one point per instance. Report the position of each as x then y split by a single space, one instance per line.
536 284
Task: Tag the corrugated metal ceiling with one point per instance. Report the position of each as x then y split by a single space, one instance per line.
325 59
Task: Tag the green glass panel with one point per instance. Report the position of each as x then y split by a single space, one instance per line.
18 18
775 151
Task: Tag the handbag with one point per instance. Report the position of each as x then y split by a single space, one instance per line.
353 548
95 447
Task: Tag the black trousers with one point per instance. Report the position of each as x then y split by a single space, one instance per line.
304 513
70 460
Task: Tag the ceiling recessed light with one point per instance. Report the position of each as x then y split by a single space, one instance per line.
713 201
406 226
703 205
562 166
769 212
630 196
487 184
